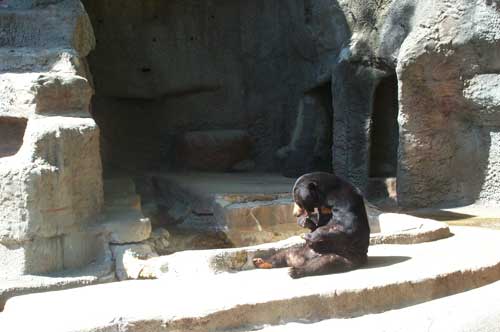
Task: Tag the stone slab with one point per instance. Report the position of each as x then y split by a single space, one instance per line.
397 228
127 226
204 188
476 310
396 276
94 273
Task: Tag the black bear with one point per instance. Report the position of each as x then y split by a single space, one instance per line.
334 211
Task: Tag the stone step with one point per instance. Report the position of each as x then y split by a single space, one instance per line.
97 272
17 96
27 59
124 226
200 190
395 276
43 93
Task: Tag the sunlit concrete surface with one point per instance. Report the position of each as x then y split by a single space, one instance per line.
396 276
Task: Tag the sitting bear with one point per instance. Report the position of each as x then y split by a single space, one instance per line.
334 211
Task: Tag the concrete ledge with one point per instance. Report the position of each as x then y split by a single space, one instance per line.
471 311
396 276
393 229
396 228
27 284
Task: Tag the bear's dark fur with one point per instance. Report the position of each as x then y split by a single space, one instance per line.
334 211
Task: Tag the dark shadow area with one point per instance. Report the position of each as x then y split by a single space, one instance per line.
383 261
170 76
440 215
494 3
385 129
12 132
310 147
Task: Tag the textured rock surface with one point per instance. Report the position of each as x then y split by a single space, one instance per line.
215 150
159 241
50 179
125 227
445 55
50 189
131 259
448 130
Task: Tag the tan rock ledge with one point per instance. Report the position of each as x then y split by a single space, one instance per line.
396 276
390 228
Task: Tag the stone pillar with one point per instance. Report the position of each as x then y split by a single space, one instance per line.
353 88
449 107
50 169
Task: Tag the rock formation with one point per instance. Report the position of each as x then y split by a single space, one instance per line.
412 92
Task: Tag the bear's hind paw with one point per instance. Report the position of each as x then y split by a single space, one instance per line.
261 264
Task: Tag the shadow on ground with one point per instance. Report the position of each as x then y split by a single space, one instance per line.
383 261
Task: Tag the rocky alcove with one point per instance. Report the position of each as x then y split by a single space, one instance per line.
12 130
170 74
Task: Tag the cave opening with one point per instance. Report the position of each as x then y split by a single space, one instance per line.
204 95
197 85
384 138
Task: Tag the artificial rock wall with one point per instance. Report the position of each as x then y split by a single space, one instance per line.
50 168
445 54
163 68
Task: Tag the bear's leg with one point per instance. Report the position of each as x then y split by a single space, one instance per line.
277 260
321 264
287 257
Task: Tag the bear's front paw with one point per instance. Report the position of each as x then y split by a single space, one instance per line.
261 264
296 272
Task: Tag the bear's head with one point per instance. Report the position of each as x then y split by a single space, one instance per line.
307 198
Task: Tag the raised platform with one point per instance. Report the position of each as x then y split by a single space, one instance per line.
198 300
219 210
